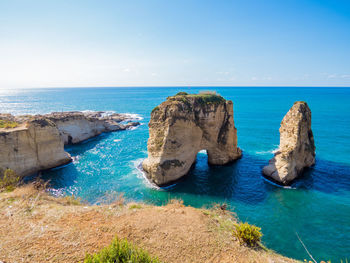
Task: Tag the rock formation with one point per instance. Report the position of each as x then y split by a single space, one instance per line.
182 126
76 127
36 143
33 146
297 147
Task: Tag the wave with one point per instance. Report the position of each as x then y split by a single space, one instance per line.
274 184
273 151
132 116
137 165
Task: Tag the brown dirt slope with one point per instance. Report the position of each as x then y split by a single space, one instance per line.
35 227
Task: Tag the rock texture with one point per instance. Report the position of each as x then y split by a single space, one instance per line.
182 126
76 127
31 147
297 147
37 143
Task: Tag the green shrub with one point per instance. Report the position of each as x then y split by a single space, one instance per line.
9 180
155 109
181 93
72 200
249 234
121 251
135 206
8 124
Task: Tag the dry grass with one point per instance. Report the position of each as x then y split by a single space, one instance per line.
36 227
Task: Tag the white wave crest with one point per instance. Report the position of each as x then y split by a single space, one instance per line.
137 165
132 116
273 151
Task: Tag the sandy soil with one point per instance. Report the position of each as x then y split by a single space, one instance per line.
35 227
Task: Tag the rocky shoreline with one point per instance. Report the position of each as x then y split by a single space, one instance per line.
36 142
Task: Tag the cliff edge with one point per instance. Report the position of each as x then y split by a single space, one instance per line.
182 126
297 147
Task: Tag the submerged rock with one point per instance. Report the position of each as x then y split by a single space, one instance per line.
297 147
182 126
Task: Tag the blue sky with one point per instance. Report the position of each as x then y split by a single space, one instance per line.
52 43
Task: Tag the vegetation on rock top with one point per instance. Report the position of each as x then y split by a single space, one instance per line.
203 98
8 124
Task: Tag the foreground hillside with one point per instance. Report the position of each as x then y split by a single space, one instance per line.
36 227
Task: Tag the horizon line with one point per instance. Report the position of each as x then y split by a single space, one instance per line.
175 86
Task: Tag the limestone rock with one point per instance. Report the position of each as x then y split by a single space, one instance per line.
77 126
33 146
297 147
182 126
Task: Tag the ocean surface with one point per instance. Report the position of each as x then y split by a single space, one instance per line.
317 206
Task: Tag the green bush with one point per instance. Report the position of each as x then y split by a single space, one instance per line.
9 180
121 251
8 124
155 109
249 234
181 93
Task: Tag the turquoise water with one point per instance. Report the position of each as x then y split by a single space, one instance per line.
317 208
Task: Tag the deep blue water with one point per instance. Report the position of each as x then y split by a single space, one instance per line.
317 208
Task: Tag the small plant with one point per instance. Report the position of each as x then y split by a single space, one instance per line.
8 124
121 251
181 93
248 234
135 206
155 109
9 180
72 200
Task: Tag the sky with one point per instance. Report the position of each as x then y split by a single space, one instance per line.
85 43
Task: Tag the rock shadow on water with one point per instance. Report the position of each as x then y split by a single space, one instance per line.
325 176
82 147
240 180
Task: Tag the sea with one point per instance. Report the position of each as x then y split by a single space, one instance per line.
316 207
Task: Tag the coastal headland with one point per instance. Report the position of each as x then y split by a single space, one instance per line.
31 143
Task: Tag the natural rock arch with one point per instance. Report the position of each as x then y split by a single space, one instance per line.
182 126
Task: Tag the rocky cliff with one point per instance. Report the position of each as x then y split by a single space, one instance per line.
29 144
33 146
297 147
182 126
76 127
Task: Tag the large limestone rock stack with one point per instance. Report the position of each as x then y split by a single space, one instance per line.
33 146
182 126
297 147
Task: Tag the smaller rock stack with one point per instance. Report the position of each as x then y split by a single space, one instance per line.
297 148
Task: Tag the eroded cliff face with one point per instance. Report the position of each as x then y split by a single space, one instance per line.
297 147
33 146
76 127
182 126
